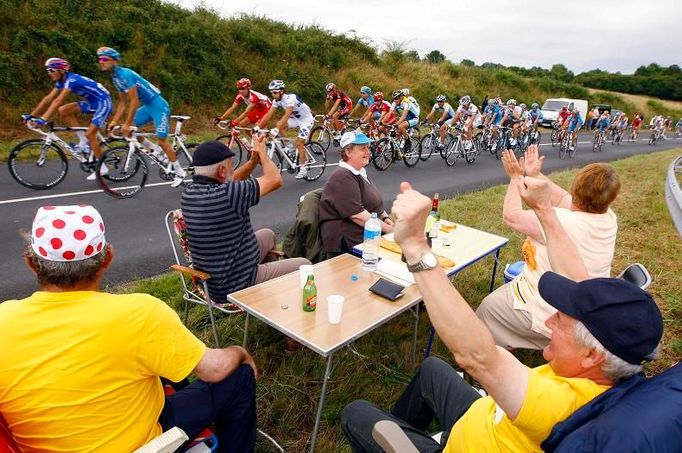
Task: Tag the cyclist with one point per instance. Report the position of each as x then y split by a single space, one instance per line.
635 125
445 113
341 105
408 115
512 116
493 119
603 123
564 113
297 114
365 100
97 102
534 116
467 112
381 108
573 124
678 126
145 104
667 125
257 105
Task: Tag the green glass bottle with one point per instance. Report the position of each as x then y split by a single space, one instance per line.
310 294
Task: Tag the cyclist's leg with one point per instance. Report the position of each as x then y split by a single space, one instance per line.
402 128
67 112
99 117
469 129
305 126
159 112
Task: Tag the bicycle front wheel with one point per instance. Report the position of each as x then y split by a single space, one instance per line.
37 165
428 144
563 147
322 136
317 160
127 172
235 147
554 138
412 155
383 154
452 152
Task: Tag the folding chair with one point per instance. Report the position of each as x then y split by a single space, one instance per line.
194 286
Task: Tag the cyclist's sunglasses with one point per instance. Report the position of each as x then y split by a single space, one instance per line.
103 59
51 70
276 91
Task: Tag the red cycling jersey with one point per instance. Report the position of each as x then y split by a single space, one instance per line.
261 105
563 114
636 121
346 103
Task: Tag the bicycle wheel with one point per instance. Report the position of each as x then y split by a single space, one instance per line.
317 159
596 146
572 149
452 152
471 153
428 143
412 156
322 136
383 154
563 147
127 175
38 166
236 148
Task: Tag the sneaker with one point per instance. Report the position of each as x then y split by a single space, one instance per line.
93 175
84 149
178 179
302 173
440 146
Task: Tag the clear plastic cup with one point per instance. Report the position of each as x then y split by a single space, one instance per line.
334 308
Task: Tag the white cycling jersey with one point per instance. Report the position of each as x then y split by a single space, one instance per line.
300 108
467 112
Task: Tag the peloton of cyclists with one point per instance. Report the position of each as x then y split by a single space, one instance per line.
257 105
297 114
97 102
341 105
145 105
445 113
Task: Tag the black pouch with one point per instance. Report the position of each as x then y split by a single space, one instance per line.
387 289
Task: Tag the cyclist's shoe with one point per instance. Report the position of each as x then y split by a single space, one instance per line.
84 149
400 154
467 145
440 146
93 175
302 173
179 177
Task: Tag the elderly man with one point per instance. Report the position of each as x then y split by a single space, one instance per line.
516 313
216 209
80 369
603 330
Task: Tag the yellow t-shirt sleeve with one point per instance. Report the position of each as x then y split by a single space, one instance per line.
168 348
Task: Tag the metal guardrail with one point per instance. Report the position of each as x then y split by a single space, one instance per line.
673 193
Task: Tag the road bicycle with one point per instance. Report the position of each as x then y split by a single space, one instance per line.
599 140
633 134
431 142
128 165
392 147
566 148
43 163
557 135
235 142
325 134
287 156
655 137
456 147
617 136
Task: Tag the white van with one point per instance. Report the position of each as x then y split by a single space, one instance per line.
550 109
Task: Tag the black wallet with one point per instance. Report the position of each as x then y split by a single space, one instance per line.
387 289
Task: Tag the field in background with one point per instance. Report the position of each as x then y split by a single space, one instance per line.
289 386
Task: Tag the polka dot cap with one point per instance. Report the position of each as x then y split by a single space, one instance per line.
67 233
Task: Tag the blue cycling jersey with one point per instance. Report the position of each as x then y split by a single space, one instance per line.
368 102
83 86
446 107
124 79
603 123
535 115
412 109
575 120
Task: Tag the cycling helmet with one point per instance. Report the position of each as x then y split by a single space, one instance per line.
564 107
406 91
397 93
57 63
379 96
441 98
535 105
464 100
276 85
330 87
243 84
365 89
523 106
109 52
511 102
575 110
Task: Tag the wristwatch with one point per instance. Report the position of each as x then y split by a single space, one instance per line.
428 261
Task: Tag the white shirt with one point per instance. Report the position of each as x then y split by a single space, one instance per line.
362 172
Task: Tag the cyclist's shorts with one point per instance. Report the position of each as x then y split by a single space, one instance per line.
100 111
390 118
157 111
304 125
412 122
256 115
572 127
377 115
449 121
343 111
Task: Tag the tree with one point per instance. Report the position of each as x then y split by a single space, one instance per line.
435 56
412 55
561 72
467 62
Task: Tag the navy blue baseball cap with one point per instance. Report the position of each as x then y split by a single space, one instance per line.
622 316
211 152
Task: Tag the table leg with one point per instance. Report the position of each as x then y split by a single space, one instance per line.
492 279
246 330
414 335
327 372
429 344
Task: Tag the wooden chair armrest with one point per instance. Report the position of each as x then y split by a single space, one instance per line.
191 272
277 253
391 438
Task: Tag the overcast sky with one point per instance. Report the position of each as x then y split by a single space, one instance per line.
583 35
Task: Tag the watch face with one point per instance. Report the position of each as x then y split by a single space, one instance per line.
430 260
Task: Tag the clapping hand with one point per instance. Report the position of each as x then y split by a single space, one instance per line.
536 193
511 165
532 161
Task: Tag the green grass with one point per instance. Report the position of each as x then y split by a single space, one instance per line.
289 386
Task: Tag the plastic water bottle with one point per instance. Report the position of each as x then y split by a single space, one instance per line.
370 245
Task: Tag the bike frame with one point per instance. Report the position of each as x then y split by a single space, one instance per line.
51 137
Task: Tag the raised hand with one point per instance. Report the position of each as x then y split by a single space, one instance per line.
532 161
511 165
536 193
410 210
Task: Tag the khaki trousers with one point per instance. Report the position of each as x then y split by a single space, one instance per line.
267 270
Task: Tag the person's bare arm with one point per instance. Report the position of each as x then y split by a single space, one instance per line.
282 123
335 106
54 105
272 178
267 117
515 217
245 170
246 111
363 216
532 164
120 109
45 102
217 364
229 111
563 255
467 338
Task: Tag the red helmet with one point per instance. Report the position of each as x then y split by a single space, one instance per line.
564 107
243 84
378 96
57 63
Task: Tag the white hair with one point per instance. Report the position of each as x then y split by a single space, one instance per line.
613 366
208 170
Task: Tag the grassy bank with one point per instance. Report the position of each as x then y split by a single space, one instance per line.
289 388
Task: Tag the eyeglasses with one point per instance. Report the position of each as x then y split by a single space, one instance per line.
275 91
103 59
51 70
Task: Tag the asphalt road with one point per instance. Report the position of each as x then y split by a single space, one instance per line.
136 229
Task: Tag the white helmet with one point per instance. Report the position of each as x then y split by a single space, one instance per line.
465 100
441 98
276 85
406 91
329 87
511 102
